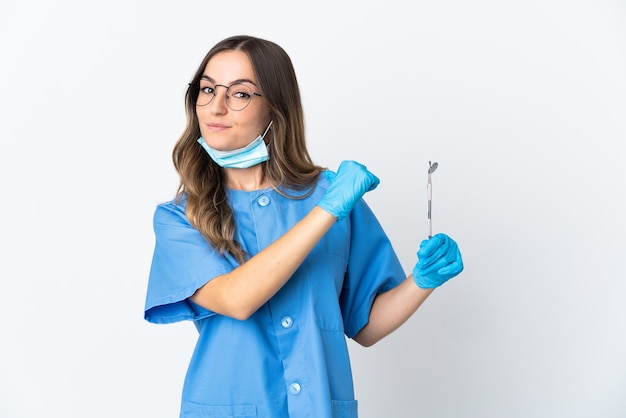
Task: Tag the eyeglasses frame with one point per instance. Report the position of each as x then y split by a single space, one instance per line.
225 96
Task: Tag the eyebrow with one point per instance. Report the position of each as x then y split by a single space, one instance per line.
239 80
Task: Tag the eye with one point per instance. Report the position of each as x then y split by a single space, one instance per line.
240 92
241 95
207 89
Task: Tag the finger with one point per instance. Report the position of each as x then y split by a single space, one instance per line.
435 250
374 182
429 246
451 269
432 266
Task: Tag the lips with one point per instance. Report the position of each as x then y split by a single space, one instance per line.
216 127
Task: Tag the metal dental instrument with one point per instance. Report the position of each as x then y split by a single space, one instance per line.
429 188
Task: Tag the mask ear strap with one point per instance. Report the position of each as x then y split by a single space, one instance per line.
267 129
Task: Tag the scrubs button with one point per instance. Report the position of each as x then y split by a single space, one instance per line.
286 322
263 201
295 388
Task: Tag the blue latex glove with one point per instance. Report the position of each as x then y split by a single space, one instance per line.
439 260
347 186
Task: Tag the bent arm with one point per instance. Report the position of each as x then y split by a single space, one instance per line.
240 293
439 261
390 310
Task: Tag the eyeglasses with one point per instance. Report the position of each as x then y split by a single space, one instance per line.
237 96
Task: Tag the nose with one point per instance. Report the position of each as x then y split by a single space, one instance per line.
217 106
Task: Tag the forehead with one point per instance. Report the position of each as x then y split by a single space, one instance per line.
227 66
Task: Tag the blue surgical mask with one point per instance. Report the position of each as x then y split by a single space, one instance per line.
252 154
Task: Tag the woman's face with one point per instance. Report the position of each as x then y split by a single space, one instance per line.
221 127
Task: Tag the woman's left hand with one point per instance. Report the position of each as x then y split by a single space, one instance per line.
439 260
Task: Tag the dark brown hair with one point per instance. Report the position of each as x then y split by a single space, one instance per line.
289 167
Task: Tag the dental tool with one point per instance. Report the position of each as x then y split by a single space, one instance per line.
429 189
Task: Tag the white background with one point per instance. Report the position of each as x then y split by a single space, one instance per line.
522 103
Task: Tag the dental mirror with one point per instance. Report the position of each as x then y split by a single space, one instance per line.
429 188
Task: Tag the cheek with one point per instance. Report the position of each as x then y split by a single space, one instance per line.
201 112
201 116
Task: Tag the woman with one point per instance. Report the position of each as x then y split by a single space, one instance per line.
275 259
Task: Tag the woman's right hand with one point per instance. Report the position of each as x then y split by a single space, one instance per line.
347 186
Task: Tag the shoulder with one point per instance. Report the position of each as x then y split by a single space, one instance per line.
174 208
323 181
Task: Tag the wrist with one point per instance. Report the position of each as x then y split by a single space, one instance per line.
425 282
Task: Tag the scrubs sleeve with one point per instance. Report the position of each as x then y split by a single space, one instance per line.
182 262
373 268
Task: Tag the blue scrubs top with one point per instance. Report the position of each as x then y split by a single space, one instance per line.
290 358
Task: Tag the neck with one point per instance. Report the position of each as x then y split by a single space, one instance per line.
248 179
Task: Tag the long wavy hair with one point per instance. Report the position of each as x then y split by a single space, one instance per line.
289 167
